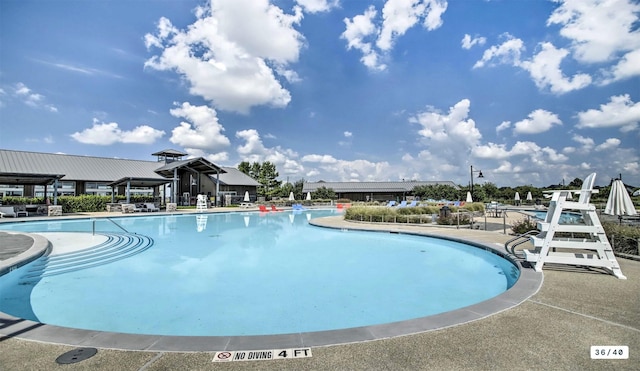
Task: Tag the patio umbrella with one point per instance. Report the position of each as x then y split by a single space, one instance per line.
308 196
636 193
529 196
517 196
619 202
469 199
246 197
291 197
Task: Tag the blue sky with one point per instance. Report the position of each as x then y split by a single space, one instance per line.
530 92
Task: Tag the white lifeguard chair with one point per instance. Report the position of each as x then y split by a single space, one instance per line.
591 249
201 204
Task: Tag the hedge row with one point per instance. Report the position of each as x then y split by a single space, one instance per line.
76 204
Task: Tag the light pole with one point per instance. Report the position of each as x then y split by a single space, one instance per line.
479 176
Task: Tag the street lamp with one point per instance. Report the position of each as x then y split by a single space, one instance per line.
479 176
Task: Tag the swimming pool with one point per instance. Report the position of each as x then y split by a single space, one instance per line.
565 217
238 274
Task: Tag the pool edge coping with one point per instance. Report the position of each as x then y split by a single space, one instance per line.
528 284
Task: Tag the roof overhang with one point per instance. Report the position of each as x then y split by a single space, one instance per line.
29 179
195 165
139 182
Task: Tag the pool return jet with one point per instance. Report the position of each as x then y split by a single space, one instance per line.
552 244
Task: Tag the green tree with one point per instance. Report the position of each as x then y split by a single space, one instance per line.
266 174
245 167
436 192
576 183
324 193
489 190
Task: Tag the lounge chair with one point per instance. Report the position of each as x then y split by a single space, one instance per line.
273 208
298 207
402 204
7 211
413 203
263 208
391 204
150 207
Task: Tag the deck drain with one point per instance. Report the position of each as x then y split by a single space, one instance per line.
76 355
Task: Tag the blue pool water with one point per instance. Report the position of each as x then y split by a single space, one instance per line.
247 274
565 218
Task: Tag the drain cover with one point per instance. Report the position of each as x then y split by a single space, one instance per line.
76 355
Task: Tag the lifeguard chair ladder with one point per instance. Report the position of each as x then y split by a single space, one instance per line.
592 249
201 204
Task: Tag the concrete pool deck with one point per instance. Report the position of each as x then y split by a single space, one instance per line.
553 329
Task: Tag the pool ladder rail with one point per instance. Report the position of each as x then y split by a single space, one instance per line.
510 245
118 246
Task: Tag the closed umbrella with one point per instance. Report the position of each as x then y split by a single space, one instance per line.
469 199
246 197
619 202
517 198
308 196
529 196
291 197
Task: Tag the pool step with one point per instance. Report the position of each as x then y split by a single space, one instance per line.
117 246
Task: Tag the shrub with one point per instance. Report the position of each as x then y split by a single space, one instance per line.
623 238
523 226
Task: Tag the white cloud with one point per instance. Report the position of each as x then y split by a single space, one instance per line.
448 138
358 32
545 71
598 29
232 53
506 53
347 134
109 133
205 133
344 170
503 126
538 122
587 143
467 42
32 99
316 6
627 67
253 150
621 112
452 127
610 143
398 16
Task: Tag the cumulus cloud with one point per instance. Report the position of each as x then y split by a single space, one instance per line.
620 112
454 126
400 15
374 36
608 144
345 170
358 32
316 6
545 70
253 150
598 29
468 42
628 66
508 52
201 131
109 133
448 137
232 54
537 122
